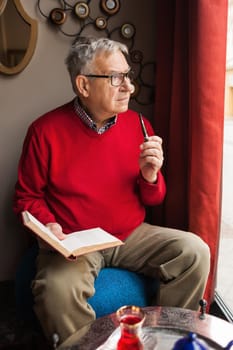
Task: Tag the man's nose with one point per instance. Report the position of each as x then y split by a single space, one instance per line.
132 88
128 85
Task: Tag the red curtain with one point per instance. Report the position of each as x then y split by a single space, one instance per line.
189 115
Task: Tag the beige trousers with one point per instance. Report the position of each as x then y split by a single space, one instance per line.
61 287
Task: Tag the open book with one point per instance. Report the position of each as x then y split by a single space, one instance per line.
76 243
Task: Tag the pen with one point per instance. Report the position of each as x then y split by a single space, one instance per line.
146 136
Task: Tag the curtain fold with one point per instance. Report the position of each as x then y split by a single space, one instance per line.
189 115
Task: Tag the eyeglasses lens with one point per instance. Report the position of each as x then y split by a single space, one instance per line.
118 78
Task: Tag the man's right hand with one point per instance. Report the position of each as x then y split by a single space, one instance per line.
56 230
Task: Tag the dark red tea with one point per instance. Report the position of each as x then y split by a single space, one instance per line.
129 338
131 319
129 342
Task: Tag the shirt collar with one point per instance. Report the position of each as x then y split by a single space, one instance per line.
82 114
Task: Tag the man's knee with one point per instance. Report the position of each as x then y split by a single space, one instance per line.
197 254
191 253
197 248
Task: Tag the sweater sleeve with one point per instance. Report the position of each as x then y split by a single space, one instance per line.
30 188
152 194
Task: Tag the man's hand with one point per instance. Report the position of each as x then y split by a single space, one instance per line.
57 231
151 158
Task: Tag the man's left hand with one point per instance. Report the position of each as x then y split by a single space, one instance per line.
151 158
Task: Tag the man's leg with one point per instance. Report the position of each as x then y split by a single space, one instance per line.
61 289
180 259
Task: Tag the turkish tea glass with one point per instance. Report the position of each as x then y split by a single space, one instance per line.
131 319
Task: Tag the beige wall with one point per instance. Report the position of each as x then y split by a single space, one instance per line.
42 85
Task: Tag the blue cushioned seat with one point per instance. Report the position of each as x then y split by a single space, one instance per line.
114 287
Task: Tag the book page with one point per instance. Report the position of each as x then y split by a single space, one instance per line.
42 227
87 238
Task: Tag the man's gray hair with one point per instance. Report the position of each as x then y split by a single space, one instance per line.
83 52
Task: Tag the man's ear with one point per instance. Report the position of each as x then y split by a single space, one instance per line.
82 85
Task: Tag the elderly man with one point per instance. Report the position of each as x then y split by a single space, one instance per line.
86 164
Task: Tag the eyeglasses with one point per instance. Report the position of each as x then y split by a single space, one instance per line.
116 78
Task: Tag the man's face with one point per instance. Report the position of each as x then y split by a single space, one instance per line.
104 100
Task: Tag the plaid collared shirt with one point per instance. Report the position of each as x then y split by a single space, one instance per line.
88 121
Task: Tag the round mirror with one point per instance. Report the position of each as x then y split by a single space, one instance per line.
18 35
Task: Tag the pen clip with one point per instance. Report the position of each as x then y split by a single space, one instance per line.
144 131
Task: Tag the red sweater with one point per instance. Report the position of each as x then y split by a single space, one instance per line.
71 175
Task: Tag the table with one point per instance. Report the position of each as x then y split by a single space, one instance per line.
167 324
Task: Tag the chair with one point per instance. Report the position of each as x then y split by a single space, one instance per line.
114 287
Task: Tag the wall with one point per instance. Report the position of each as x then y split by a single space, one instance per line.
41 86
